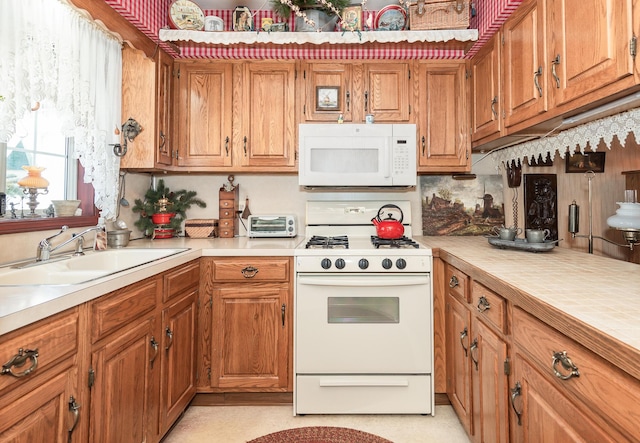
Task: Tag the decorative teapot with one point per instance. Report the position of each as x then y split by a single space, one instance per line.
389 228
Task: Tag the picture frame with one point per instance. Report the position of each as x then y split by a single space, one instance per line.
327 98
352 18
590 161
242 19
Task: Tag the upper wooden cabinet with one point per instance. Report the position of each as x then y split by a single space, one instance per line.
552 63
236 116
442 117
204 114
486 100
147 97
379 88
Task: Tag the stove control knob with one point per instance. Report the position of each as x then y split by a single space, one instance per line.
401 263
363 263
387 263
340 263
325 263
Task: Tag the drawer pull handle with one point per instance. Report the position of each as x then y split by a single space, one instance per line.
453 282
483 304
463 334
19 361
249 272
154 345
73 408
567 364
169 333
516 392
474 349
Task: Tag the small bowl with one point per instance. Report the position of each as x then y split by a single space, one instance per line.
65 208
162 218
118 238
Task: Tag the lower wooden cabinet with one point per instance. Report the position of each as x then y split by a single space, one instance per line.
246 326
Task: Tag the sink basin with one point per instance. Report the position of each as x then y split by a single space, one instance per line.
76 270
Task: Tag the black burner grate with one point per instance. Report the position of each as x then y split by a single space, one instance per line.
402 242
319 241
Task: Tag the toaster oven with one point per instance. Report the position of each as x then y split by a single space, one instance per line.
271 226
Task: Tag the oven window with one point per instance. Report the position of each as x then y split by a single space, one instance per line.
363 309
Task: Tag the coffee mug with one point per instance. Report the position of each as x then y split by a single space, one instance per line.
537 235
507 233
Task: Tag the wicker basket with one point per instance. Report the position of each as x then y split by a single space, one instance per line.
439 14
201 228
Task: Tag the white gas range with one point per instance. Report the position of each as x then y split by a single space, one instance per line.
363 334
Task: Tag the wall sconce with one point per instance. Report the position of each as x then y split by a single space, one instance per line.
626 219
33 185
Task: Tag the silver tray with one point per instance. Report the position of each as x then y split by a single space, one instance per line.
523 244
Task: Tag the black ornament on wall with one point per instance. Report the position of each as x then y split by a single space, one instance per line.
541 203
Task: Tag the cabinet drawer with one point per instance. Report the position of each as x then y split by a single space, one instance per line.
606 392
457 283
54 338
121 307
225 223
227 204
489 306
177 281
226 214
251 270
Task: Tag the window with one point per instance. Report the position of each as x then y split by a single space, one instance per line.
39 141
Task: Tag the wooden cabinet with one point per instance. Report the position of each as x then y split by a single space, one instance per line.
236 116
382 89
147 97
179 320
442 116
564 390
246 333
39 387
552 62
486 100
204 123
125 364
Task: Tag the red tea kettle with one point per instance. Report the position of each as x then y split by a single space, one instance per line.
389 228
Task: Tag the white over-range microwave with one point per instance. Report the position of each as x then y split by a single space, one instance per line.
354 155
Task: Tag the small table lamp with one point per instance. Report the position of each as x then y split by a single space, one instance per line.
33 184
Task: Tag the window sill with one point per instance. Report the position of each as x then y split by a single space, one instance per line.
12 226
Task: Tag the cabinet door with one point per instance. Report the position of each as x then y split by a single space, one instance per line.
178 358
458 362
443 118
485 85
41 413
204 114
267 135
124 400
164 111
544 415
490 385
251 337
590 46
524 63
323 77
386 92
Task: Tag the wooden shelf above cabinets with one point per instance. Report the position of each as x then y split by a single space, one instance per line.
416 44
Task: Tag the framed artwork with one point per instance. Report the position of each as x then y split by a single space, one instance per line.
541 203
591 161
352 18
242 20
327 98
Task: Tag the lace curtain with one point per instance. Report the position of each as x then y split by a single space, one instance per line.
575 139
52 55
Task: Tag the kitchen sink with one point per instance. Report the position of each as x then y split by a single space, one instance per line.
72 270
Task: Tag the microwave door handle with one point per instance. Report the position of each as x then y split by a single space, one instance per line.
389 155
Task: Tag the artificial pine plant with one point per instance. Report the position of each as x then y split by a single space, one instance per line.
180 201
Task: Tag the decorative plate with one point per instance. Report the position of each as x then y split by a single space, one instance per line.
391 18
186 15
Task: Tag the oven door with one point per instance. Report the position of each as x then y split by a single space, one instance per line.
363 324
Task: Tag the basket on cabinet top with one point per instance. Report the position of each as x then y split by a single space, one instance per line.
439 14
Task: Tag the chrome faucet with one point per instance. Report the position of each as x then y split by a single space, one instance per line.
44 247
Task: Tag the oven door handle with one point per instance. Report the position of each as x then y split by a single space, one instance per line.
337 383
360 280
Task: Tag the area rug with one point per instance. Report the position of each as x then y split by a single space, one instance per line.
320 434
